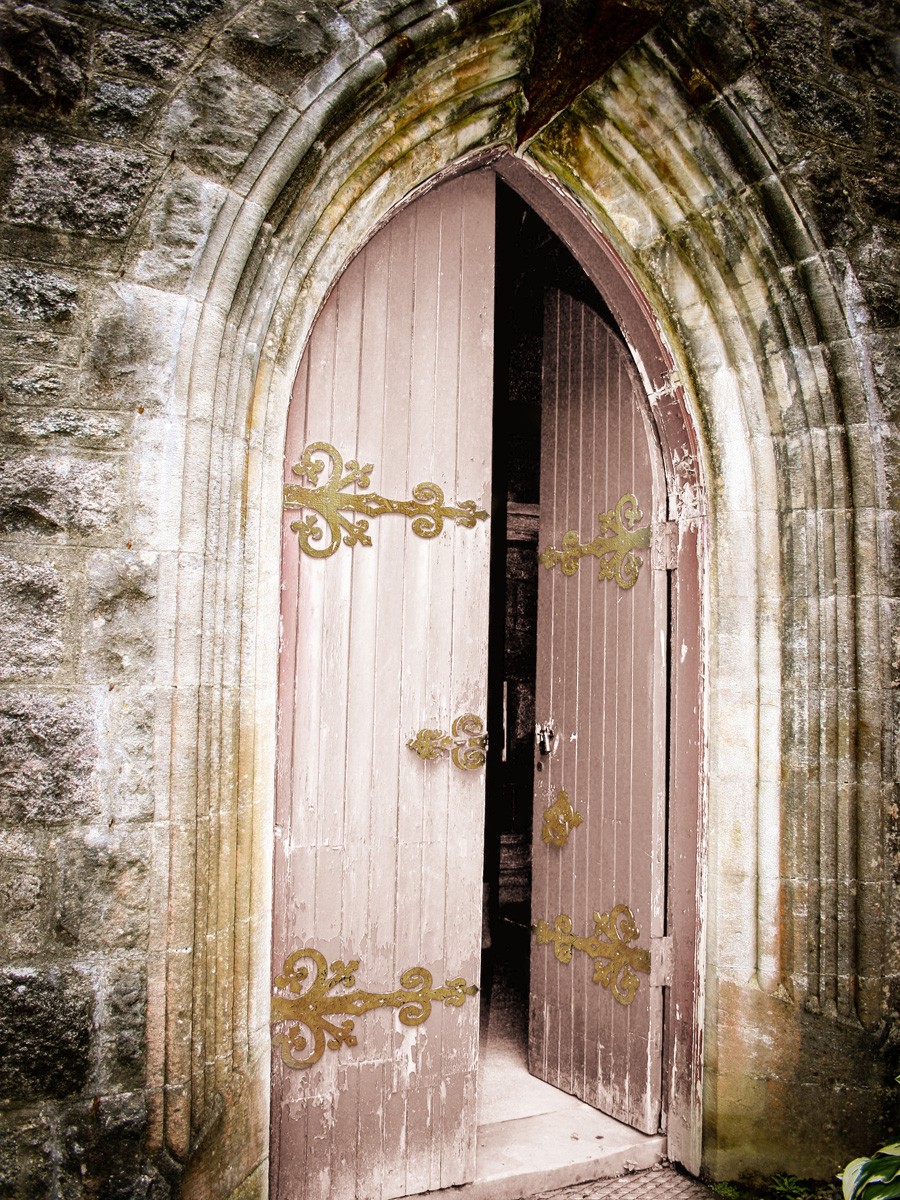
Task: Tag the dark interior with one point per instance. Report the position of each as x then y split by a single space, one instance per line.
530 260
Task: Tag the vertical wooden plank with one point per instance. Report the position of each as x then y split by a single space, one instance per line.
471 558
438 329
583 998
566 681
376 823
540 1020
401 403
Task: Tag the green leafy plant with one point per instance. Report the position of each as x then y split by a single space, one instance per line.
875 1178
788 1187
728 1191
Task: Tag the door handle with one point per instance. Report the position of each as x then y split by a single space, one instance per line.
546 737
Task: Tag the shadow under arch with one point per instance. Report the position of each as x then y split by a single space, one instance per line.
747 351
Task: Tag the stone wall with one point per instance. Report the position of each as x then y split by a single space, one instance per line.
180 181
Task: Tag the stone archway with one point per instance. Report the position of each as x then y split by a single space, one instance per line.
759 322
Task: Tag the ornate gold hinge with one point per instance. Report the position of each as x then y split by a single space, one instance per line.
615 959
311 1007
559 820
466 743
614 546
331 500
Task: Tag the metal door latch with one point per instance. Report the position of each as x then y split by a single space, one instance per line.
546 737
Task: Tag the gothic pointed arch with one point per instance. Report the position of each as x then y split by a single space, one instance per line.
761 323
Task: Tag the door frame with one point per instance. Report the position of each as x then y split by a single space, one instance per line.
687 767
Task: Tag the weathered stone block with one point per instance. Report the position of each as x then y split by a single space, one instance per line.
864 50
88 430
885 113
101 1151
119 637
123 1048
46 1029
788 34
885 350
122 52
30 295
879 186
176 228
117 108
26 1150
58 495
77 187
876 259
819 110
217 120
281 41
24 896
42 58
130 358
125 765
169 15
102 891
32 604
47 754
822 185
716 43
20 889
37 383
39 345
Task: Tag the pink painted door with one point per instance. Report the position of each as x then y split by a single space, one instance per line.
598 902
377 903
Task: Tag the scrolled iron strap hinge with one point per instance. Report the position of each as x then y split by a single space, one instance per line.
559 821
615 546
664 546
330 501
313 1006
610 946
662 962
466 743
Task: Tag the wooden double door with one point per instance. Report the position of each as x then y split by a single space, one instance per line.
380 789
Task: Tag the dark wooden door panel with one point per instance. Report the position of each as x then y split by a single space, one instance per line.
601 684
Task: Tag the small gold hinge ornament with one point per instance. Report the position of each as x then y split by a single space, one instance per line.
559 820
466 744
331 501
615 959
311 1006
614 545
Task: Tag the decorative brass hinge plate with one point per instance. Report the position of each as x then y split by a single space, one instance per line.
559 820
615 959
466 744
311 1006
614 545
331 500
